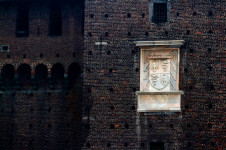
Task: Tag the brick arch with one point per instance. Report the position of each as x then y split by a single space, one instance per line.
47 64
17 63
7 71
24 71
57 71
33 64
71 62
41 71
3 63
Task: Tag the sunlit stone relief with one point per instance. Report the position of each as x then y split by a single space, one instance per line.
160 70
159 77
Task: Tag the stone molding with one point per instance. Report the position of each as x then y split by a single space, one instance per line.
159 93
165 43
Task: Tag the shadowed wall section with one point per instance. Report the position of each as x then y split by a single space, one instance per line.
41 72
40 85
24 72
7 72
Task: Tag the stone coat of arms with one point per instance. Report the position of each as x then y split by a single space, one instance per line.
159 73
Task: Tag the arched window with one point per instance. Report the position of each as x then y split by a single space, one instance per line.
41 71
8 72
57 71
24 71
74 71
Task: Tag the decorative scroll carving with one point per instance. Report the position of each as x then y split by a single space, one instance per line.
173 70
146 82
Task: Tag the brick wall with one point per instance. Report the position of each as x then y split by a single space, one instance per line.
68 46
41 114
111 75
50 117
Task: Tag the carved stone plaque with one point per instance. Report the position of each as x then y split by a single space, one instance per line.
159 72
159 76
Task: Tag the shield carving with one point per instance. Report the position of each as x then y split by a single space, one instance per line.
159 80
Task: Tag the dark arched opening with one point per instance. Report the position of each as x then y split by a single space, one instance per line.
7 72
57 71
41 71
75 99
74 72
24 72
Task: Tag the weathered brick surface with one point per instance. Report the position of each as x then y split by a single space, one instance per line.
200 124
41 114
52 119
40 43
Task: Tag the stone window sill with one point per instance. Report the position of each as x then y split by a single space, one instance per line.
169 101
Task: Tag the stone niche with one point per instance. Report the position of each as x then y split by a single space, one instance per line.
159 76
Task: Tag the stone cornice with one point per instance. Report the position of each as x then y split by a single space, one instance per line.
162 43
159 93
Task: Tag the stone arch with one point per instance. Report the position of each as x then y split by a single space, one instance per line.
8 72
41 71
57 71
24 71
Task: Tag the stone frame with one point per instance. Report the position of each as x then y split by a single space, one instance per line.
168 97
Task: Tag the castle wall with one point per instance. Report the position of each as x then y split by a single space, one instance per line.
41 113
112 75
99 109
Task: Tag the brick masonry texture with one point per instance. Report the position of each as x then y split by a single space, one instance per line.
103 115
200 124
41 114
